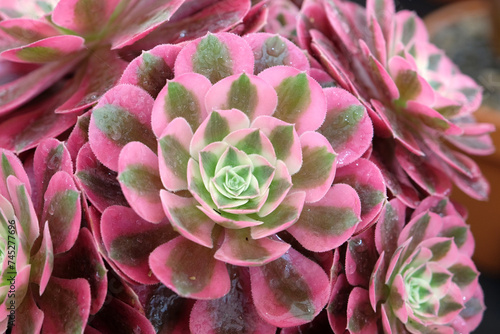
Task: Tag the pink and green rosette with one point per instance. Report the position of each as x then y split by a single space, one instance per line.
241 145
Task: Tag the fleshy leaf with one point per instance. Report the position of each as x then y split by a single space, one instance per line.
316 175
187 219
141 17
216 57
129 240
183 96
30 313
328 223
244 92
360 316
290 299
152 69
190 269
300 98
23 208
84 261
240 249
347 126
273 50
62 211
98 182
122 115
66 305
139 178
86 17
369 183
42 262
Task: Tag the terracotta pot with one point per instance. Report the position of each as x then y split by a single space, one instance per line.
484 217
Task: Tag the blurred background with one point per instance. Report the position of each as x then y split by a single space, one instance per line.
469 32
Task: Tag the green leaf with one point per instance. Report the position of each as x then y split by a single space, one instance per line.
282 139
324 220
212 59
462 275
153 73
243 95
180 102
175 155
141 179
122 127
294 96
251 144
217 128
316 167
339 127
38 54
408 85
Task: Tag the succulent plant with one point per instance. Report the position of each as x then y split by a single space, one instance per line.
52 273
417 98
241 145
59 57
425 280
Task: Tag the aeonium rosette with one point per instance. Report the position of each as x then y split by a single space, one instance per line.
234 155
420 103
425 280
52 275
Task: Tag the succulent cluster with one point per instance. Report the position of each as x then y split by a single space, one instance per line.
232 166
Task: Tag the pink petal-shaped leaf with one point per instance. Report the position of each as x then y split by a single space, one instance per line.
337 304
66 305
289 291
424 172
78 136
196 19
84 261
477 145
273 50
46 50
384 11
476 187
389 226
122 115
244 92
234 310
187 219
152 68
99 74
23 208
173 154
36 122
10 165
316 175
31 315
254 20
367 180
347 126
50 157
361 257
139 18
285 140
22 31
216 57
254 143
432 118
215 127
139 178
190 269
129 240
42 262
184 97
420 228
360 316
62 211
118 317
20 90
411 86
300 98
240 249
284 216
85 17
328 223
99 184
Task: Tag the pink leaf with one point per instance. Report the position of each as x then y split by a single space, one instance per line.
66 304
190 269
290 299
129 240
360 316
84 261
42 262
122 115
140 181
